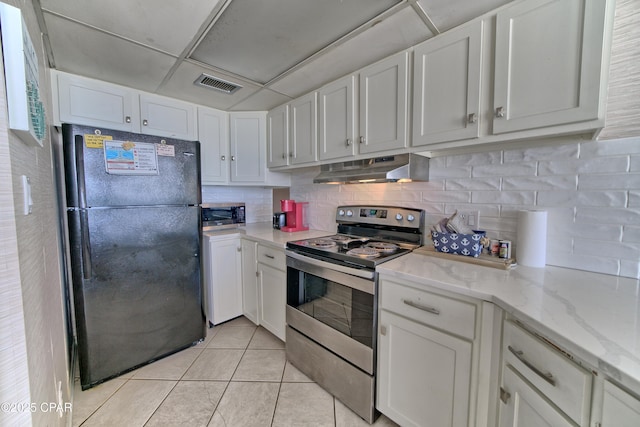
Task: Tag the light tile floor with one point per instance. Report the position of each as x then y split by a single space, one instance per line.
237 377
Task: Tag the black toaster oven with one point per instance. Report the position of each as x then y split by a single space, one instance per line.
217 216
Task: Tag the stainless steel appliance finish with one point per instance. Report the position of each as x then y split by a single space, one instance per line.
219 216
279 220
332 298
401 167
135 252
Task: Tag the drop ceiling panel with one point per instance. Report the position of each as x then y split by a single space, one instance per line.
396 33
161 24
181 86
447 14
81 50
264 99
261 39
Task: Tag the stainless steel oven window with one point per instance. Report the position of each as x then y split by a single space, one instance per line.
341 307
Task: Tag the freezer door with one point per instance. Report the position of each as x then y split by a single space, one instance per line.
90 185
137 290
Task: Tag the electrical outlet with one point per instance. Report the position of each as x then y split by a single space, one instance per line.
470 218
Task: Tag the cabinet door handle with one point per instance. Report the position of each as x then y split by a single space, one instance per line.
421 307
291 154
269 256
544 375
145 122
500 112
127 119
472 118
504 396
223 158
284 156
233 158
239 249
349 142
362 140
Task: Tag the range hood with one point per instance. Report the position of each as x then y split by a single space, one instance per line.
400 168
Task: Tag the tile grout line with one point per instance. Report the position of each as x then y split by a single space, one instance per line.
231 377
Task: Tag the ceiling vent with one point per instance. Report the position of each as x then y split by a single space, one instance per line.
215 83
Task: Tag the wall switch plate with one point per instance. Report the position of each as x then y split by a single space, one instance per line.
470 218
26 195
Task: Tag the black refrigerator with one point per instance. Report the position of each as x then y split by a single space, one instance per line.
133 210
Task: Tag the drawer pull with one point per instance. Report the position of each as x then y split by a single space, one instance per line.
269 256
421 307
545 376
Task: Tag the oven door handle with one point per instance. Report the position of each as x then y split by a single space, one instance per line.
366 274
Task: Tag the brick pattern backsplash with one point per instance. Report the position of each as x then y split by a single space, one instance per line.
256 199
591 191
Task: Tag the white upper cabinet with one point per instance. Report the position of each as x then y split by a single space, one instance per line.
447 76
303 114
167 117
369 119
233 149
248 146
278 136
548 63
337 118
213 133
95 103
384 89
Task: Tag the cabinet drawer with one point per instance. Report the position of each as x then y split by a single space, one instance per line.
562 381
274 257
454 316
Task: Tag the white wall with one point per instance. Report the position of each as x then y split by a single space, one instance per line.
591 191
33 351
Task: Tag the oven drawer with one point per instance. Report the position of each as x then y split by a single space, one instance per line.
452 315
275 258
561 380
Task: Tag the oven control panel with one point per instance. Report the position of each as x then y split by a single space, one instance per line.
373 213
381 215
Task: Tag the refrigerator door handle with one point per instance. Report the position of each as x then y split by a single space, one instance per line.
81 188
85 245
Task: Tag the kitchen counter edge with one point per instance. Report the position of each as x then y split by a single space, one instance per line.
596 317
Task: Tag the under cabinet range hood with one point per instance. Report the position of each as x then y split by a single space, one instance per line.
399 168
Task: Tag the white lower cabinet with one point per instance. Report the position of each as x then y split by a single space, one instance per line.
223 278
424 376
272 290
434 356
250 280
537 379
619 408
524 406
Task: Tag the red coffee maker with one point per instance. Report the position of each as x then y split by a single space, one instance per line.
296 213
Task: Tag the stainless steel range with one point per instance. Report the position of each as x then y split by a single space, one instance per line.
332 298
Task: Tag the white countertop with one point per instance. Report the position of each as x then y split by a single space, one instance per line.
264 232
594 316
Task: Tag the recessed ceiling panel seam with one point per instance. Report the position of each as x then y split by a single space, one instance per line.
204 28
425 17
109 33
374 21
262 40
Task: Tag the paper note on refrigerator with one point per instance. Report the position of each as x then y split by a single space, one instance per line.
130 158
